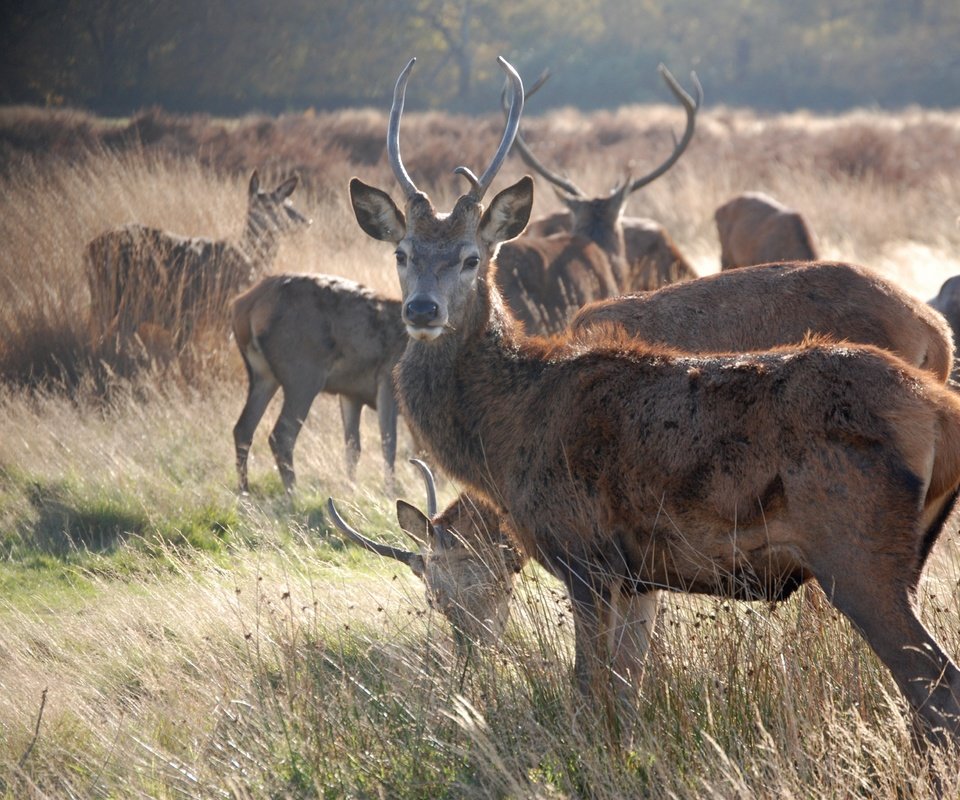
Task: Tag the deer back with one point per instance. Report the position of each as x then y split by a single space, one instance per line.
756 229
351 333
756 308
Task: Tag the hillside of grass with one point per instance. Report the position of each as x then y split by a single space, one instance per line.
163 637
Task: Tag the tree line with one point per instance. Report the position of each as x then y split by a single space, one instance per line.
235 56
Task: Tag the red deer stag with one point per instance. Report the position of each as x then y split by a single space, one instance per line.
309 334
626 468
545 279
466 560
147 281
779 304
757 308
756 229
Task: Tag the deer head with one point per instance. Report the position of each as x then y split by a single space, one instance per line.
596 217
465 561
443 259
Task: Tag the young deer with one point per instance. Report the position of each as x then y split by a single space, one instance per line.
626 468
146 281
309 334
545 279
756 229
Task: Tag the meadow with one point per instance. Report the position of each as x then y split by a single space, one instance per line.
163 637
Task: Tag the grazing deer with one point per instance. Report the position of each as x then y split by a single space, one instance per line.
545 279
756 229
653 259
466 560
309 334
144 280
757 308
627 468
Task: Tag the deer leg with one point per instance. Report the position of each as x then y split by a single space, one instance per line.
592 617
260 390
877 596
296 406
387 417
350 409
631 635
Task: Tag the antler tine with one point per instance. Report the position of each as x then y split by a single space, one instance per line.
520 145
691 106
404 556
481 184
393 132
429 484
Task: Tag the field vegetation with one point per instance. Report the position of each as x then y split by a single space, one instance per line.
164 637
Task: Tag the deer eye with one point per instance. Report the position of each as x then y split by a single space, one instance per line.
471 262
401 258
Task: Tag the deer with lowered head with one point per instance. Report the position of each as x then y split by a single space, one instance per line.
148 282
544 279
467 561
307 334
627 468
756 229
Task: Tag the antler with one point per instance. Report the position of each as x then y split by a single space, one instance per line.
691 106
429 484
481 184
412 560
393 132
529 158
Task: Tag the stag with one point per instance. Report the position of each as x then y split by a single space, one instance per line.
728 312
653 259
544 279
467 561
756 229
309 334
148 282
626 468
758 308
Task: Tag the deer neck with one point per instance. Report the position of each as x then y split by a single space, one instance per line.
455 390
260 244
607 234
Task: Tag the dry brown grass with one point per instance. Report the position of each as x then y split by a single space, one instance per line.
278 663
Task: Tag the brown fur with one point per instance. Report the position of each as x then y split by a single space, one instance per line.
947 303
756 308
653 259
145 279
626 468
309 334
756 229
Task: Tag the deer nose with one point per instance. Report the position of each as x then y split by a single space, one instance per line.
421 311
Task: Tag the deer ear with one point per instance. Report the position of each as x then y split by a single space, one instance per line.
508 213
254 184
285 189
376 212
414 522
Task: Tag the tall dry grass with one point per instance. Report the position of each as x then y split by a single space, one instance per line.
195 644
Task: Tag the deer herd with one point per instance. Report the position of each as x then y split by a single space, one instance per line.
634 428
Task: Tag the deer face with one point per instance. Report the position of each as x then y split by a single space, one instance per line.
273 211
466 561
441 257
468 567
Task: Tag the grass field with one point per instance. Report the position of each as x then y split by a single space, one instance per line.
162 637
